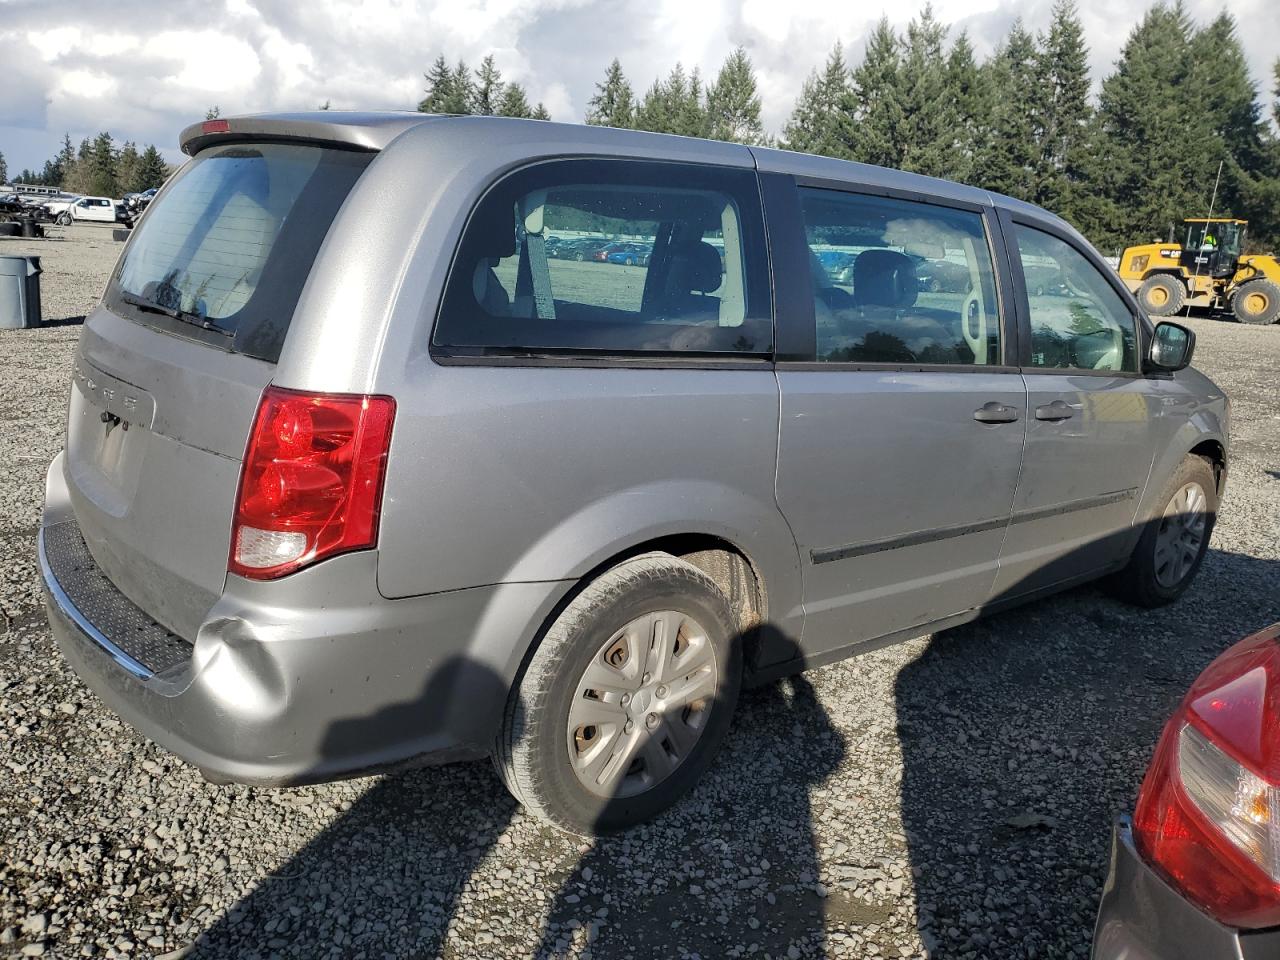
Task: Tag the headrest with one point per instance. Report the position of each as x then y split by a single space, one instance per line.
695 268
884 278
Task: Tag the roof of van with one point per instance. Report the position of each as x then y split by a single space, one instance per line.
376 130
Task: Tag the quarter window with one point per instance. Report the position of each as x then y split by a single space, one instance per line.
900 282
1078 320
612 257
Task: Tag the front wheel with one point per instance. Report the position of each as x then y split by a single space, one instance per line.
64 219
626 700
1257 301
1175 539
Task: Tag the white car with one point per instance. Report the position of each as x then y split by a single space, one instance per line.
99 209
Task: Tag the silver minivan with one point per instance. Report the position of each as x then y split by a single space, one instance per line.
357 476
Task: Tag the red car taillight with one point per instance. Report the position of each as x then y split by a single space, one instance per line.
1209 811
311 483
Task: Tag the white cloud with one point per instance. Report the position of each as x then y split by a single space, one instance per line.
143 69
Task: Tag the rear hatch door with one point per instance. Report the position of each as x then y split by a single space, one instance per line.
171 366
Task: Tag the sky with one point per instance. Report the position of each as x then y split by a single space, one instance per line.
144 69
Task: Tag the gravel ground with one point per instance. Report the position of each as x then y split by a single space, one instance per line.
876 808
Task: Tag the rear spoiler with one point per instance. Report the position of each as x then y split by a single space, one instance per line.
358 131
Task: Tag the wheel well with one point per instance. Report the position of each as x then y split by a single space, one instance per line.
719 559
1211 450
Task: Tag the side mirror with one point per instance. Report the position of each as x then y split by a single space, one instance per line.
1171 347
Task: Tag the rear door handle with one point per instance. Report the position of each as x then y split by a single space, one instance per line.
994 412
1058 410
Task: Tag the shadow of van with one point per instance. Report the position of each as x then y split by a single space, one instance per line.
1021 735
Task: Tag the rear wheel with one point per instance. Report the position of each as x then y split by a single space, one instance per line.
1175 539
626 700
1161 295
1257 301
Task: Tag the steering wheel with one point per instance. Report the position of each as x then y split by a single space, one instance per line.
1113 357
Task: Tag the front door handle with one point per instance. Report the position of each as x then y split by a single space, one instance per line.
994 412
1058 410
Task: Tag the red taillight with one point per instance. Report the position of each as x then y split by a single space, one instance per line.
311 483
215 126
1209 811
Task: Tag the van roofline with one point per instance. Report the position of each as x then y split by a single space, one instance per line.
375 130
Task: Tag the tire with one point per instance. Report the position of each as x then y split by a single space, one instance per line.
541 745
1161 295
1257 301
631 261
1149 580
579 257
64 219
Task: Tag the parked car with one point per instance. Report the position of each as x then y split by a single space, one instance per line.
943 276
838 265
1195 875
457 516
89 209
630 254
578 248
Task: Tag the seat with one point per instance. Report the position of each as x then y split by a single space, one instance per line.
694 274
488 289
884 278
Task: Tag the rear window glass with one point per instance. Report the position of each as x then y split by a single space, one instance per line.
224 253
614 257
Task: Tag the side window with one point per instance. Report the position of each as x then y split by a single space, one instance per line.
900 282
1078 321
612 257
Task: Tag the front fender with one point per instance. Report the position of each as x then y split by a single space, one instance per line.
1208 423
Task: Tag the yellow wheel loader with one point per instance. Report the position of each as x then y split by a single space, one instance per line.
1207 270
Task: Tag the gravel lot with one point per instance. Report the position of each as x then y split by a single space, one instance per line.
871 809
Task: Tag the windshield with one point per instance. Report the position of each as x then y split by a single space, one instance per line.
1219 236
226 250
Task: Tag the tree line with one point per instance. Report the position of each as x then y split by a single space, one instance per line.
1123 167
98 168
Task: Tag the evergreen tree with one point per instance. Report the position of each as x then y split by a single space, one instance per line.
514 102
674 105
969 89
102 165
733 104
213 113
540 112
928 129
815 125
462 92
613 104
1008 160
4 170
439 87
128 162
1061 112
152 170
487 90
872 114
1275 91
1229 97
1156 147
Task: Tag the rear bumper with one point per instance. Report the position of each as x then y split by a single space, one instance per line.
310 678
1143 918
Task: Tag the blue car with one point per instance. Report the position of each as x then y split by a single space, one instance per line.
630 254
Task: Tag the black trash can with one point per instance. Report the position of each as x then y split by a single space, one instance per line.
19 292
32 230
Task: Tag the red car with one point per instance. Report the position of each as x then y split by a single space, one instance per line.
1196 874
